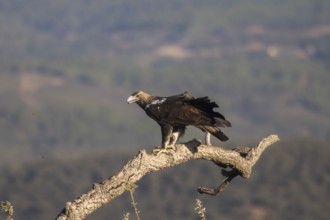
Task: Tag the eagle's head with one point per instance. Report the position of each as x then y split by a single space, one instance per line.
141 98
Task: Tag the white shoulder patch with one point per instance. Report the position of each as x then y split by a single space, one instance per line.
156 102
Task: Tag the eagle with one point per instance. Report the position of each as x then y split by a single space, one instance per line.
175 113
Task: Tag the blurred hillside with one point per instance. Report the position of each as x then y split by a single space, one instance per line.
49 105
210 28
67 68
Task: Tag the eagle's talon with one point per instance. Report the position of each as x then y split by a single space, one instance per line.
156 150
170 147
168 150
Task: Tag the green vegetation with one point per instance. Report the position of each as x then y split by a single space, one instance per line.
7 208
131 188
200 209
67 68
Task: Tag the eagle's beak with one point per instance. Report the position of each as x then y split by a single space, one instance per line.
132 99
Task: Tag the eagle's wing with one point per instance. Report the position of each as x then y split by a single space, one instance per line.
185 114
183 110
182 113
161 108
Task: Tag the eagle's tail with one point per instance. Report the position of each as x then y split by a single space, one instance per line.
222 122
215 131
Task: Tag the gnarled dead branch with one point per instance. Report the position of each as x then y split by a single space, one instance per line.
240 160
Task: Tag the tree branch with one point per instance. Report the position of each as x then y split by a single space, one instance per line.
240 160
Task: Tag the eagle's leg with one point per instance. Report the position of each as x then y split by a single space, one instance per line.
167 141
177 132
169 145
174 138
207 138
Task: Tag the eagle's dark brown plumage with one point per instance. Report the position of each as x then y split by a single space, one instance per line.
174 113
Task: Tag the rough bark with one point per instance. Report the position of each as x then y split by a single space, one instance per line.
240 160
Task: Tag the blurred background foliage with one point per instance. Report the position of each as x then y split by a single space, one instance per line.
67 68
